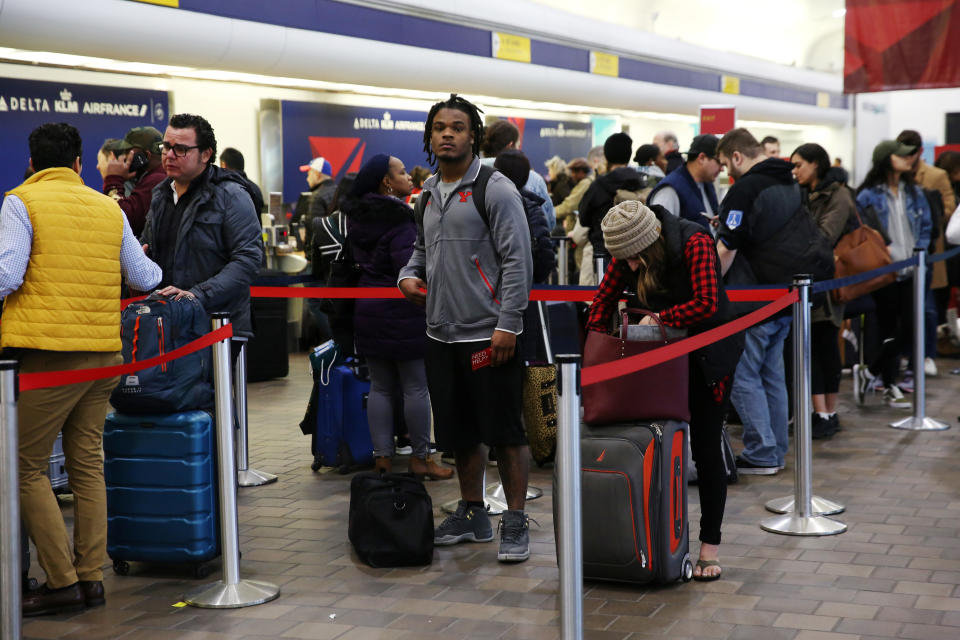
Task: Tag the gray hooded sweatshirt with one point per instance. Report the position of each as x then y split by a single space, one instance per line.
478 277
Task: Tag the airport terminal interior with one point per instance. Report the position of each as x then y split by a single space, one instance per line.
831 408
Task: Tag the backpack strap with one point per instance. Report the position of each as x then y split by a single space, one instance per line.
480 192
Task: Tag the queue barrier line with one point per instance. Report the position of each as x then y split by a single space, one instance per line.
836 283
946 255
46 379
608 371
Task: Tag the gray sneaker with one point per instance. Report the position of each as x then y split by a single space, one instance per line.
467 524
514 537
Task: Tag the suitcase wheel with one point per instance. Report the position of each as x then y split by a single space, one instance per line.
686 573
316 464
200 571
121 567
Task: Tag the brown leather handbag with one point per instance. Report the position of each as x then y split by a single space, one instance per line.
859 251
657 393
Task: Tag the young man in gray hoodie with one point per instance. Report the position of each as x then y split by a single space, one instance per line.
473 273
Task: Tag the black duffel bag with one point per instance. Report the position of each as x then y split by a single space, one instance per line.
391 519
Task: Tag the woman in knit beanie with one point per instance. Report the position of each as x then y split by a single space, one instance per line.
673 265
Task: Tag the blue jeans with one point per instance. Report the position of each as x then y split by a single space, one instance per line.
764 415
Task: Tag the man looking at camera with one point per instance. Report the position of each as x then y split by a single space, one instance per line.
202 228
137 158
476 267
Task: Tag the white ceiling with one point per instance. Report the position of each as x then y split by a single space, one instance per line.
802 33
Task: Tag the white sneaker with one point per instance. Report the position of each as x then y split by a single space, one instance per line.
894 398
861 381
930 367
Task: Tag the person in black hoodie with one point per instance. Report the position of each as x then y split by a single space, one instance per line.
202 227
766 229
515 165
600 196
390 334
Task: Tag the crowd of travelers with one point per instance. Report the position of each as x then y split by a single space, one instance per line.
464 241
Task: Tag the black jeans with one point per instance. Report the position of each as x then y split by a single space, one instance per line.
706 424
825 355
895 319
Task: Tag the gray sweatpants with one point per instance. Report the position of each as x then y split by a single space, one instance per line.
386 377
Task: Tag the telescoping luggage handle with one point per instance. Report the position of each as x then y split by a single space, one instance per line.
625 321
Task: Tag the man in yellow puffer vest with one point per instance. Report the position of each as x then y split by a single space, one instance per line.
63 250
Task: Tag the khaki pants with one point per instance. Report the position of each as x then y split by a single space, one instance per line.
79 411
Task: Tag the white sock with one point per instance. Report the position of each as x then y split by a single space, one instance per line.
825 416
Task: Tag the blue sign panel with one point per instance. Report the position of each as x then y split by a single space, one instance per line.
97 112
346 136
540 140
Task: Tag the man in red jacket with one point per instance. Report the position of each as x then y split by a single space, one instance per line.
140 161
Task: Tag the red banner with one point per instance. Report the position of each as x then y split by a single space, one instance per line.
717 119
901 44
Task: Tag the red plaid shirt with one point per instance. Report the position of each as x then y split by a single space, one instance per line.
700 256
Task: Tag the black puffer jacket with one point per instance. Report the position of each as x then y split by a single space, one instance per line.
599 198
218 248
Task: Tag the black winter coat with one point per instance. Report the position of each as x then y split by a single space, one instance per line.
218 249
599 198
381 233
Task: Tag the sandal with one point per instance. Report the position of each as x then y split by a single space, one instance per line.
703 564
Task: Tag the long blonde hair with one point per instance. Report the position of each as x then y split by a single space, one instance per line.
653 262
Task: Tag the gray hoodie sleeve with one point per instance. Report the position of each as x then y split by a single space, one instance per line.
511 240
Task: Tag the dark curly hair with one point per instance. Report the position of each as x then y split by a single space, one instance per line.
460 104
205 137
54 145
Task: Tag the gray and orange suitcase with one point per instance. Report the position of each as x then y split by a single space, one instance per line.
634 497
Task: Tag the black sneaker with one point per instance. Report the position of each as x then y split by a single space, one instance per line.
834 421
748 468
821 427
514 537
467 524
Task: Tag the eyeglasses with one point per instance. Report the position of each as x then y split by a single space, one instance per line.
179 150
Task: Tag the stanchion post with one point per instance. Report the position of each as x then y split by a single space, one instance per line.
246 477
569 541
562 262
599 267
919 420
230 592
10 552
802 520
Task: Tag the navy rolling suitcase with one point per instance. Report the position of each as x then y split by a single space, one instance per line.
162 501
342 437
634 496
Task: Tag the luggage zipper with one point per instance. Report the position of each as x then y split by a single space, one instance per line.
658 432
163 365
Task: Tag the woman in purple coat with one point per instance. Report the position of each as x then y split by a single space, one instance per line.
390 334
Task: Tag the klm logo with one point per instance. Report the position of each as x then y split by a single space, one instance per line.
66 104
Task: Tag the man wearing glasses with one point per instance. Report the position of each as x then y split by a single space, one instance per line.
202 228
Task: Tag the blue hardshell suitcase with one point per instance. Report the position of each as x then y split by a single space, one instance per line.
342 438
160 473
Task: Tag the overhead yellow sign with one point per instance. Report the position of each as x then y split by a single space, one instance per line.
507 46
163 3
730 84
823 99
605 64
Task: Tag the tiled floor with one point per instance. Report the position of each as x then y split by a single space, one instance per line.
894 574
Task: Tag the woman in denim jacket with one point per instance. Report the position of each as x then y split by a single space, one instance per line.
903 211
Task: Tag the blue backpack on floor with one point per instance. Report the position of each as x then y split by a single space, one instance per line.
151 328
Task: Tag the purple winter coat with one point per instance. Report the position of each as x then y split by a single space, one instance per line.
382 232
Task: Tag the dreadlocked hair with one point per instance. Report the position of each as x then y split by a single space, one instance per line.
460 104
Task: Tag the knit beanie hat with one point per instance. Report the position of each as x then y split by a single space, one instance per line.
370 174
629 228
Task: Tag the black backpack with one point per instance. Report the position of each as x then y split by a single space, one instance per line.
542 263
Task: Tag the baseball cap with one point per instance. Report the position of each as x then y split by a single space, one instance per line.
578 164
320 165
706 144
891 148
146 138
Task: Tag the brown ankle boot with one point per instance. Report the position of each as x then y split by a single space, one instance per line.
421 467
383 464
